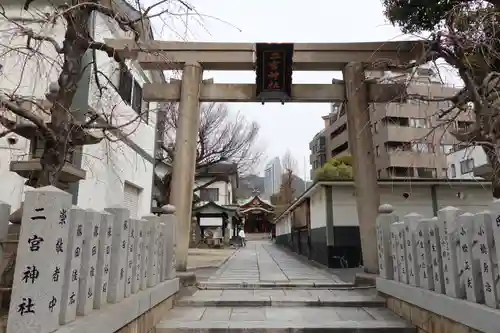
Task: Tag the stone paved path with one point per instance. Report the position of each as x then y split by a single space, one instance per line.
262 288
262 262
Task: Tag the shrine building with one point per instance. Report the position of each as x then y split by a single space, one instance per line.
257 215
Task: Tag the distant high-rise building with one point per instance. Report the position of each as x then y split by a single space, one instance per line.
272 176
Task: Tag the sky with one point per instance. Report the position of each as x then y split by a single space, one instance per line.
290 126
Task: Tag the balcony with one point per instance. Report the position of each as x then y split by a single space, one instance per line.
339 140
401 133
415 160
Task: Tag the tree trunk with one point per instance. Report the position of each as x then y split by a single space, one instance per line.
495 170
75 45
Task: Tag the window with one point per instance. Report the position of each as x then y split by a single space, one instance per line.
209 194
418 122
446 149
453 171
466 166
422 147
125 86
375 127
445 172
426 172
377 150
131 93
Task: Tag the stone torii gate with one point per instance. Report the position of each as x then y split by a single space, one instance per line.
350 58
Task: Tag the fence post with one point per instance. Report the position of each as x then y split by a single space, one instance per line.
145 234
449 237
411 223
40 262
470 269
424 260
129 269
484 250
153 228
398 229
4 231
119 252
103 260
437 261
89 262
384 220
495 216
69 296
136 244
169 261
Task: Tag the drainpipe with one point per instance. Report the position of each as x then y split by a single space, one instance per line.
434 200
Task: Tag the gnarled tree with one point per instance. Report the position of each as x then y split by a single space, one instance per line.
223 137
466 35
54 40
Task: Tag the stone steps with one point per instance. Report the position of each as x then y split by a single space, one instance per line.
280 319
283 298
355 301
272 285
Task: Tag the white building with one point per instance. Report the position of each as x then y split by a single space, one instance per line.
115 173
463 163
272 177
216 210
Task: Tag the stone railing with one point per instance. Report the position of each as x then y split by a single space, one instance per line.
80 270
442 271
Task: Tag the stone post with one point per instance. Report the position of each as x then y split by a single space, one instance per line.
69 296
103 260
170 221
181 192
384 220
364 170
450 250
41 262
411 222
119 253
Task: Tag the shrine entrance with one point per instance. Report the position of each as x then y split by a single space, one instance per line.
273 65
258 215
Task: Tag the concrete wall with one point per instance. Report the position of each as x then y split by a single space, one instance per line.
108 164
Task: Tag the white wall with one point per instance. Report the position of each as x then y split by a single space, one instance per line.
108 164
225 191
419 201
453 161
284 225
318 209
26 78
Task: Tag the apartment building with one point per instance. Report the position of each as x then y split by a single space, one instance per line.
409 139
318 155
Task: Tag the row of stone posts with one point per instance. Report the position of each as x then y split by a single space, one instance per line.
456 253
71 261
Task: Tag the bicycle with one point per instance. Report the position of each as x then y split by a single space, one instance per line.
343 262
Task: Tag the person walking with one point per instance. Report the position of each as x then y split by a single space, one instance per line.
241 234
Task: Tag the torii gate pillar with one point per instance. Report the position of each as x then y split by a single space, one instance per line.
184 166
364 170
